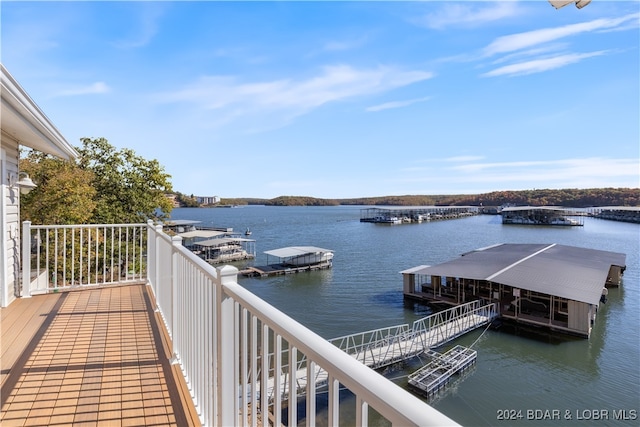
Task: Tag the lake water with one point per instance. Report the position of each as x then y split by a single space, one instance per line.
517 380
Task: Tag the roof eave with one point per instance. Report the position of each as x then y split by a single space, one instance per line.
24 122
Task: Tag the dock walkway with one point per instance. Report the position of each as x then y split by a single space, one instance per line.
279 269
386 346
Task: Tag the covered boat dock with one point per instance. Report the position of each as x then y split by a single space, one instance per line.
554 286
409 214
542 215
293 259
617 213
216 246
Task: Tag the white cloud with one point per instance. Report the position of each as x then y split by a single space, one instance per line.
397 104
468 14
540 65
548 49
289 97
513 42
539 50
92 89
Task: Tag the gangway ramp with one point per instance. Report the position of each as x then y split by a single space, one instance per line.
383 347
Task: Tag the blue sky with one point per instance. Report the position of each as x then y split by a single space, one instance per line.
343 99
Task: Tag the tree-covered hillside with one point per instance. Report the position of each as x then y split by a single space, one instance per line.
571 197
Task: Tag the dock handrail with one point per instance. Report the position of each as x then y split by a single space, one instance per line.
403 341
443 326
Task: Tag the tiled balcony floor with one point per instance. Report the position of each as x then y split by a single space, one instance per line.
90 357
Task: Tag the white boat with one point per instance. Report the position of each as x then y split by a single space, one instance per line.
247 232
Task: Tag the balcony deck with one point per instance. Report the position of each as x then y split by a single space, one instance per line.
90 357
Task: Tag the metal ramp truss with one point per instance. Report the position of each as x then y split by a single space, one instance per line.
386 346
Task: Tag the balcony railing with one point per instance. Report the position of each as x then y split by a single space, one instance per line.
241 358
60 257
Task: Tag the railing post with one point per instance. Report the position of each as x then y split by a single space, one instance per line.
226 360
175 256
26 260
156 273
151 250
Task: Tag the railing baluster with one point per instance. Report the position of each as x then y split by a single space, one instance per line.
264 376
362 412
89 235
81 251
334 400
64 258
26 259
244 360
46 256
73 256
311 394
254 371
104 254
55 260
293 387
277 378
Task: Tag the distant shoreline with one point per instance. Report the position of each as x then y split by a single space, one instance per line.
576 198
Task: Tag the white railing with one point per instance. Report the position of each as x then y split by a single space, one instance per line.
58 257
232 347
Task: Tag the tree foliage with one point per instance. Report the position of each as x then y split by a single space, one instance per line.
572 197
64 194
186 201
128 187
104 186
300 201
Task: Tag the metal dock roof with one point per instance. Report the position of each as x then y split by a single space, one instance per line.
201 233
566 271
222 241
293 251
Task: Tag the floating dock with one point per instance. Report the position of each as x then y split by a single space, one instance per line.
293 259
279 269
409 214
435 375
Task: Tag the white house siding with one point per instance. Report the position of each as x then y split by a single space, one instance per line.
9 222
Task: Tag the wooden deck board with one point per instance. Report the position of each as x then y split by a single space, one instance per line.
20 322
93 357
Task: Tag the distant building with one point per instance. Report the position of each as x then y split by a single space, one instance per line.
208 200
